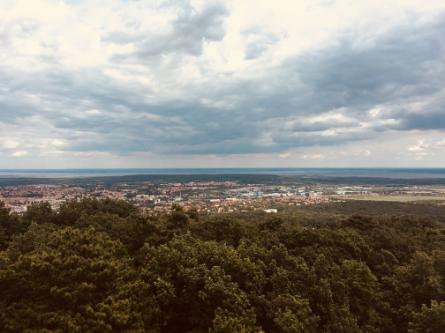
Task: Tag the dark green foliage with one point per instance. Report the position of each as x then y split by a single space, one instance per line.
429 319
100 266
68 281
72 210
39 213
10 225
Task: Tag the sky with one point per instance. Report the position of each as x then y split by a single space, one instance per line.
235 83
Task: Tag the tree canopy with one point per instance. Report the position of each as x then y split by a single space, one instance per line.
101 266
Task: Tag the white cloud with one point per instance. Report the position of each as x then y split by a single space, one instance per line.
8 144
285 155
19 153
314 156
238 78
419 147
441 143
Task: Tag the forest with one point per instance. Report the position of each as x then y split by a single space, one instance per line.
101 266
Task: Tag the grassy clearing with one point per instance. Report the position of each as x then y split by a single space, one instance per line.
393 198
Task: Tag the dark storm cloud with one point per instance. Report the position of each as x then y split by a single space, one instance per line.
430 114
319 98
187 34
396 71
14 102
407 63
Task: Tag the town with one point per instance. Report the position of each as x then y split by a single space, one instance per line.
213 196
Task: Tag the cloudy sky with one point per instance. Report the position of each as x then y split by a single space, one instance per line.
171 83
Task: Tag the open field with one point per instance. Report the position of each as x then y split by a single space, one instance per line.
393 198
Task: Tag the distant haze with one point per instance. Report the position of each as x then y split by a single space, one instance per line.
419 173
